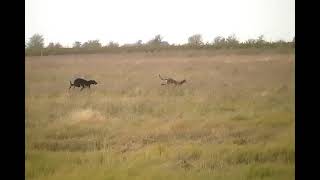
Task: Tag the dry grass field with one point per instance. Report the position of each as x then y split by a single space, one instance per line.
233 119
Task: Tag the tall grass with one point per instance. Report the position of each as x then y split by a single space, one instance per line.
233 119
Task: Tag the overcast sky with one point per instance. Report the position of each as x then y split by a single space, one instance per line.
126 21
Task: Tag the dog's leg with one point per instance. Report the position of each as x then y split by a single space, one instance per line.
163 84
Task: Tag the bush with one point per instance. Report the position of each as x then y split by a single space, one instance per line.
35 46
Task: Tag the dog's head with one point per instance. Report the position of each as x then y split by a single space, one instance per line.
93 82
183 81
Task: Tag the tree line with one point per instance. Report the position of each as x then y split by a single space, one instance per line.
35 45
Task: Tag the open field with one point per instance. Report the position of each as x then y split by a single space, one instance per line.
233 119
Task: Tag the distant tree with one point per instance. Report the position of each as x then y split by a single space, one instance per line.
76 44
50 45
280 42
36 42
219 41
251 41
139 42
113 44
156 41
164 43
294 39
54 46
261 40
232 40
92 44
58 45
195 40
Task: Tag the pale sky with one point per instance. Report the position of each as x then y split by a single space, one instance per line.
127 21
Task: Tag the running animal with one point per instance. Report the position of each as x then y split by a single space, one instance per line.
172 81
82 82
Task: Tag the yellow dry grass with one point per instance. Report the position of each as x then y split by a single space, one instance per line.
233 119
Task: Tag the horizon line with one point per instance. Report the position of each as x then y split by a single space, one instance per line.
46 42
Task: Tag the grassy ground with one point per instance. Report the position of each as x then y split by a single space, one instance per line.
233 119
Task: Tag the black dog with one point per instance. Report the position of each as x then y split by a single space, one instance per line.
83 83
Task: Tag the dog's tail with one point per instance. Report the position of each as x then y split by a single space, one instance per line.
70 84
162 78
